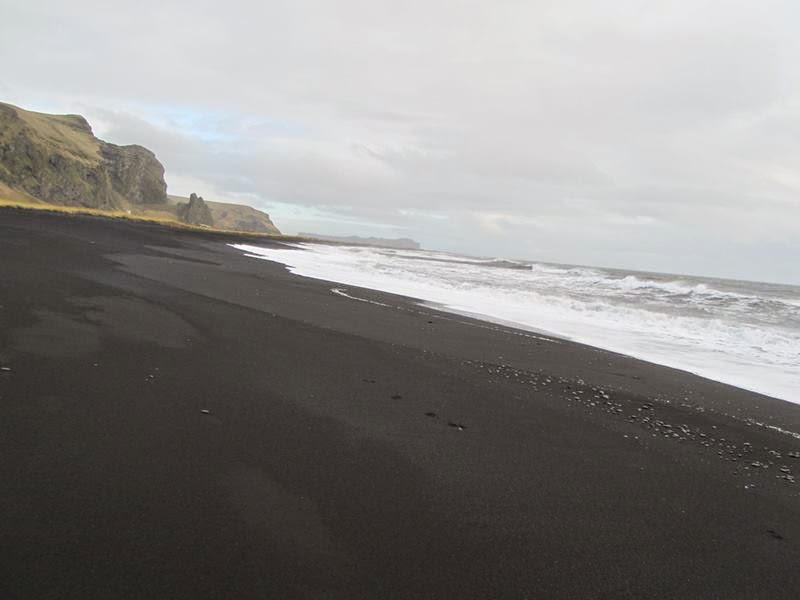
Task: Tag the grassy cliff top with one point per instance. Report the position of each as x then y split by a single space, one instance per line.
70 134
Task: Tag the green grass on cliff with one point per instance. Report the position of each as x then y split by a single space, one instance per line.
26 204
70 133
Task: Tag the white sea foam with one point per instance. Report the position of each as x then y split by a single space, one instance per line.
741 333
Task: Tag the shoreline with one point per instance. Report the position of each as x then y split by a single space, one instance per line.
730 370
180 420
549 334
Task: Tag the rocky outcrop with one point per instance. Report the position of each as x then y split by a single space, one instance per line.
195 212
135 173
57 159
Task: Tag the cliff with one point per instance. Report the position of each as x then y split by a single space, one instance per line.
236 217
57 159
241 217
136 174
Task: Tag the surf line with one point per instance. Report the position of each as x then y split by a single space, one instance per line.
488 325
788 432
343 293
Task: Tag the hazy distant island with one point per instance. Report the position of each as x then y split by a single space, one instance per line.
56 161
355 240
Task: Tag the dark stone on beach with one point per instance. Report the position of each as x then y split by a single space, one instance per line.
396 397
430 414
774 534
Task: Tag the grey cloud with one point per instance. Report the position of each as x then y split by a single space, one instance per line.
614 133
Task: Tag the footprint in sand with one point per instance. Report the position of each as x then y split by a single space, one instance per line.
775 535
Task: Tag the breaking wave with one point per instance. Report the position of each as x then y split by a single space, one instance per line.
743 333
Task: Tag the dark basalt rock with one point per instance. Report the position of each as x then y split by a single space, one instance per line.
195 212
135 173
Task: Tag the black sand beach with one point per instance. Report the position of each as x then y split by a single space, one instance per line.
180 421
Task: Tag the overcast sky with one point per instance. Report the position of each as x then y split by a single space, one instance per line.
649 135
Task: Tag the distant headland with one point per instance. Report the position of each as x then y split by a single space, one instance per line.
355 240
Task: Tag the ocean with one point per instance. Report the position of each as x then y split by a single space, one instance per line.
743 333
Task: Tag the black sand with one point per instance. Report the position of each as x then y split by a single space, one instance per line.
180 421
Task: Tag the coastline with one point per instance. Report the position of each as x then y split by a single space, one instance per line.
736 354
353 449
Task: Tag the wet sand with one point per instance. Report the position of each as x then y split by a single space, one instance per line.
180 421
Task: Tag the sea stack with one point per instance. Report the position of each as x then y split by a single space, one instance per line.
195 211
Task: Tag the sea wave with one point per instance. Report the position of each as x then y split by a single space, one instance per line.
714 328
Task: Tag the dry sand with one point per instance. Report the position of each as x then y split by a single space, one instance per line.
180 421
